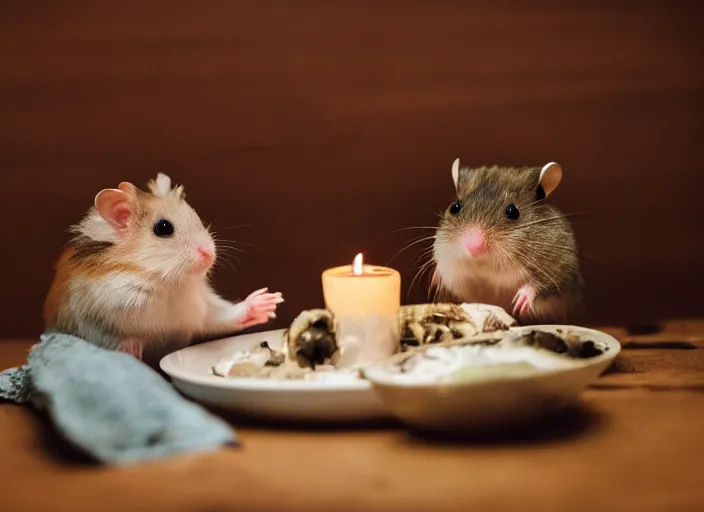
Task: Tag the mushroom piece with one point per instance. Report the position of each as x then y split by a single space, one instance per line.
422 324
311 339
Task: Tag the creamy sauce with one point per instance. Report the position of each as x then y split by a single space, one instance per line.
452 364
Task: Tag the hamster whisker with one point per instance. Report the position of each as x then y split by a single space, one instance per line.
219 272
429 249
428 253
549 219
530 204
233 241
526 263
232 261
424 261
438 294
230 248
415 227
565 248
229 263
419 275
562 249
521 227
430 267
583 212
535 267
239 242
508 260
227 254
519 266
549 276
215 270
411 244
228 228
228 258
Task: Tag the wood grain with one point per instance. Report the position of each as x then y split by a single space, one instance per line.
634 445
328 125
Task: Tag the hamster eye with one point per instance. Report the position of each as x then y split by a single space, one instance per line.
456 207
512 212
163 228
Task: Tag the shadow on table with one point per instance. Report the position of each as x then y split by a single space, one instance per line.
560 427
565 425
56 447
240 420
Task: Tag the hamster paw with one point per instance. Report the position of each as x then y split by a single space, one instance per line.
132 346
261 307
523 301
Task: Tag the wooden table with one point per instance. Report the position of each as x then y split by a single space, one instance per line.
638 445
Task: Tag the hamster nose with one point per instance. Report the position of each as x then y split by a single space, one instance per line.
206 253
474 242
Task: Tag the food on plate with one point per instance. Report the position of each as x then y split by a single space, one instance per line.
422 324
449 342
249 363
561 342
311 340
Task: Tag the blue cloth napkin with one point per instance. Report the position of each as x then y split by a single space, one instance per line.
109 404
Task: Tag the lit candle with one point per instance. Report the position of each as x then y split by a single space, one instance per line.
365 300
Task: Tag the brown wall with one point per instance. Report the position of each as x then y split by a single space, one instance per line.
327 125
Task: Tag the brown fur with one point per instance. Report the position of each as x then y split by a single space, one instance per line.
92 259
81 257
539 245
121 286
57 292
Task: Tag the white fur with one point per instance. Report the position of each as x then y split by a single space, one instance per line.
96 228
162 185
166 301
135 308
482 280
124 290
475 279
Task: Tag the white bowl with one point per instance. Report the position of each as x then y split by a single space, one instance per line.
289 400
495 401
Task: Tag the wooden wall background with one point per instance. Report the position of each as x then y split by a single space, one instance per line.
327 125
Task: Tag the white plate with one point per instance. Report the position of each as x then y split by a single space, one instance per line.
496 401
290 400
423 405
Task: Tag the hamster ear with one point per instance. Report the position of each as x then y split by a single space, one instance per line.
128 188
456 171
459 174
117 208
550 177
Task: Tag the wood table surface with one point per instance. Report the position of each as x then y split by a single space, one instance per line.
636 444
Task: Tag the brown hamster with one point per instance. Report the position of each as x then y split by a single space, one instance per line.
500 243
135 277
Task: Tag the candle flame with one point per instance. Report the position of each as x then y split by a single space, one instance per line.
357 265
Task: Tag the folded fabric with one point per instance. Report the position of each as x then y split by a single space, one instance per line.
109 404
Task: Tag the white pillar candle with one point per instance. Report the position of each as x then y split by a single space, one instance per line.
365 300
